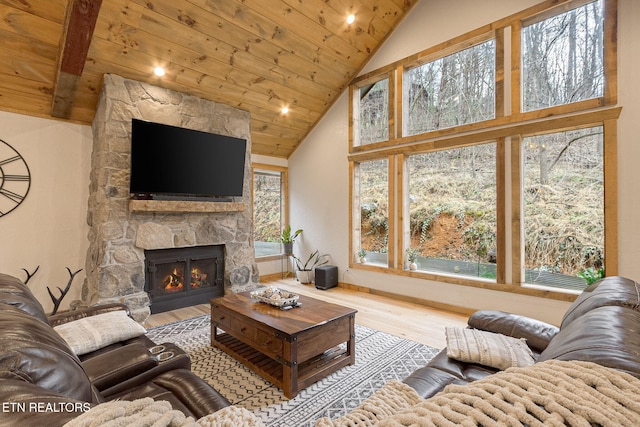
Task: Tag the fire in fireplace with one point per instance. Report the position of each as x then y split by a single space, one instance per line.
181 277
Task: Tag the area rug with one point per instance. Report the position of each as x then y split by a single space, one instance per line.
380 357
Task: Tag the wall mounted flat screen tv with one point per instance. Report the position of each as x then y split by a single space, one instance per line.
173 163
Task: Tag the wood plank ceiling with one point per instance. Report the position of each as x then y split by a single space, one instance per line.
256 55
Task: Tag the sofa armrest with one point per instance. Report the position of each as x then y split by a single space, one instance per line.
116 366
71 315
178 360
537 333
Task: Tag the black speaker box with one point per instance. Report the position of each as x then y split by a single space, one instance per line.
326 277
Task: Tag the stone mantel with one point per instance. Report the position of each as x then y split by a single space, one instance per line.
184 206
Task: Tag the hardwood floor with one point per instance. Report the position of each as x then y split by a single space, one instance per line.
408 320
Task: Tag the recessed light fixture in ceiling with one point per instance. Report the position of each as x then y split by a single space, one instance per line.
284 110
351 19
159 71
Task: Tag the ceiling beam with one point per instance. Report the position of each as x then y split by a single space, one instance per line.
80 22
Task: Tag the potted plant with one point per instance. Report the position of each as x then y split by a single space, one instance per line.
362 256
412 256
287 239
304 270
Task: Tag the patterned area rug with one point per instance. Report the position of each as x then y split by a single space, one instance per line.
380 357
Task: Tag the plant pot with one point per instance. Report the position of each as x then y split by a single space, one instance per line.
362 260
413 266
304 276
288 248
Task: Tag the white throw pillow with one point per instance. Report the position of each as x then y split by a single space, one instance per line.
487 348
95 332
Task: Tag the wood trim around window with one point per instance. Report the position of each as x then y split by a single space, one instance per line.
284 191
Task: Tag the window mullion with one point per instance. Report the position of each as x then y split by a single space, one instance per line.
517 241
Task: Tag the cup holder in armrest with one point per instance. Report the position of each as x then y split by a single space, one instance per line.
155 350
162 357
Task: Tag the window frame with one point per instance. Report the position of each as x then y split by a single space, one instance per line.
507 130
284 203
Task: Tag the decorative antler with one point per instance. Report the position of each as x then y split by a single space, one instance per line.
57 301
30 275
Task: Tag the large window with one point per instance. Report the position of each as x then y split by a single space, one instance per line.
452 208
564 207
451 91
269 201
563 58
463 171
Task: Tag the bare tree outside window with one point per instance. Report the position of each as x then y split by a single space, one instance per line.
562 58
455 90
373 112
564 207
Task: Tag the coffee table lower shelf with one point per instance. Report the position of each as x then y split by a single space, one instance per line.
292 378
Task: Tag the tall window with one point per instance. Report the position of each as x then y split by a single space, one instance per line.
373 108
268 210
564 207
563 58
452 210
451 91
374 210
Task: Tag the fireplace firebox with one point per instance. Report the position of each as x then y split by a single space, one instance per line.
182 277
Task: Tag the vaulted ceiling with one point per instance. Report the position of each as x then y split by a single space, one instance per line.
256 55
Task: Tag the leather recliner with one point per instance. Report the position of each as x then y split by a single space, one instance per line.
42 382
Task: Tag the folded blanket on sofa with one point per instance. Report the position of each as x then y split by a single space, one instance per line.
548 393
147 412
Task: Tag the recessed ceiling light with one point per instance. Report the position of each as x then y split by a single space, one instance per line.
351 19
159 71
284 110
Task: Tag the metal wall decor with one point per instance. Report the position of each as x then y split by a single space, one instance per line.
15 178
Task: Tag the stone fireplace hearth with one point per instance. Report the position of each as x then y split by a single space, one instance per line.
121 230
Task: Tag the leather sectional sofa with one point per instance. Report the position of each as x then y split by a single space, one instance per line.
43 382
601 326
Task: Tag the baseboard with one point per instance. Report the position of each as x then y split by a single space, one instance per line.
273 276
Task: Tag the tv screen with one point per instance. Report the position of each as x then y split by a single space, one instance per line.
169 162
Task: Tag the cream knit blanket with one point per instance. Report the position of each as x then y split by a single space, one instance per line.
552 393
150 413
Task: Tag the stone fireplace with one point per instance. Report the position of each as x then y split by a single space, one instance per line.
121 230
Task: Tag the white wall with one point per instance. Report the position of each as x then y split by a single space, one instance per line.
49 228
319 173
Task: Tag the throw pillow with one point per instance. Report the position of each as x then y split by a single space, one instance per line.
487 348
95 332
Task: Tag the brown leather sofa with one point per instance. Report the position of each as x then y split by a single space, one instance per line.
42 382
601 326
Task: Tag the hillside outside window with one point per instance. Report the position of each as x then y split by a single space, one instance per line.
564 208
268 205
452 210
373 177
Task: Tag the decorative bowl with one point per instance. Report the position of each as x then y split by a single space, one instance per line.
274 296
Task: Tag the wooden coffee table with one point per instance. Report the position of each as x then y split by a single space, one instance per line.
291 348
